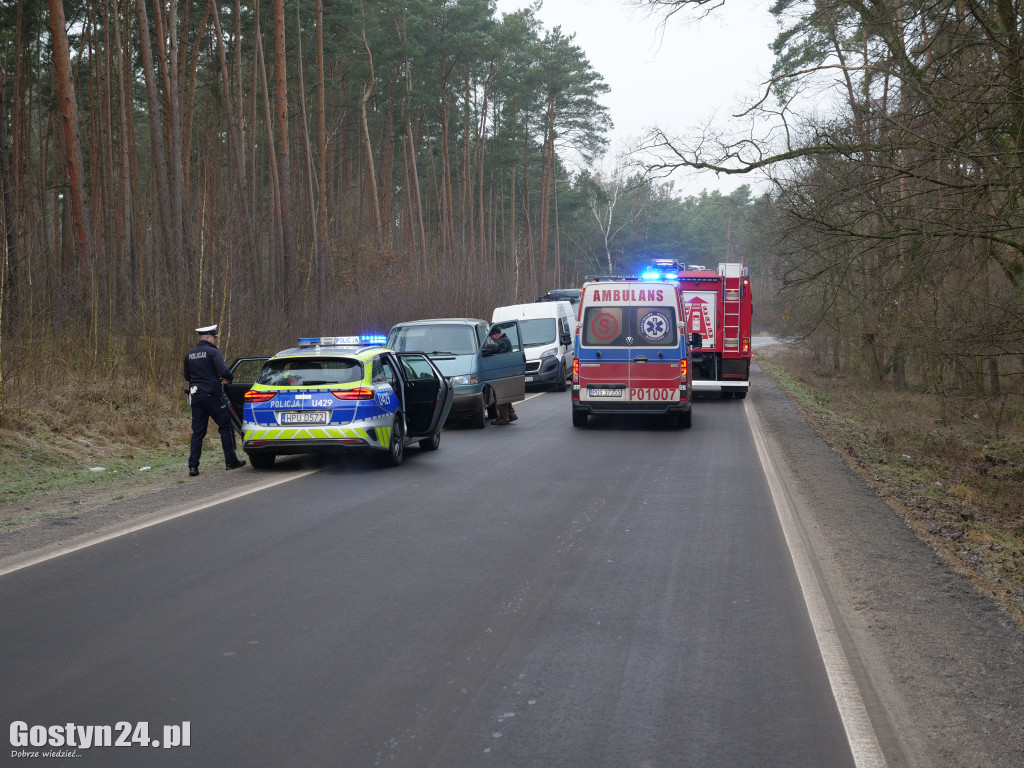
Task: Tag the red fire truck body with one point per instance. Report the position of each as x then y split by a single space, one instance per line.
719 307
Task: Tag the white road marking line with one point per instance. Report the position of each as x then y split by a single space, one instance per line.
867 753
17 562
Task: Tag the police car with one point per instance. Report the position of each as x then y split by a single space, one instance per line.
332 394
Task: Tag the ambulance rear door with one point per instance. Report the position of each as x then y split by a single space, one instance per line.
655 346
602 351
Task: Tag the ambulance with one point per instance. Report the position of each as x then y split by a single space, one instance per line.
630 353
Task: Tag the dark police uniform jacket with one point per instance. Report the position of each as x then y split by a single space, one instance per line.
204 368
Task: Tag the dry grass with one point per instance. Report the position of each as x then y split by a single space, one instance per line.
79 443
935 460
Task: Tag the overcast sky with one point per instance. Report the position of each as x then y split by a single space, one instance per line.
675 75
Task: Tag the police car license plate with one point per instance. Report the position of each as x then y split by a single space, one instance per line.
605 392
304 417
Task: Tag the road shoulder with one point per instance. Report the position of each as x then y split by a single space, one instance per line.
943 662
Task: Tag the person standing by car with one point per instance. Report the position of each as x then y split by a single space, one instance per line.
206 374
500 344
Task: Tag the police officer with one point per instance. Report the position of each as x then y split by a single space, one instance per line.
206 375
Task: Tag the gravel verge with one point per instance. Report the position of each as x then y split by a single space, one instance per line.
941 662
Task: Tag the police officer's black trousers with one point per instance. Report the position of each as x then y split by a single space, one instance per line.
204 408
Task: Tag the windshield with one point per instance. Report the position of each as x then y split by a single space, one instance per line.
611 326
310 371
441 339
538 332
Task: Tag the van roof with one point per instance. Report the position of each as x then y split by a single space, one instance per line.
437 320
533 309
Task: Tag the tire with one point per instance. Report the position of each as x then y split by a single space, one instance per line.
579 418
431 443
673 420
478 420
726 395
396 445
686 419
740 395
262 460
560 387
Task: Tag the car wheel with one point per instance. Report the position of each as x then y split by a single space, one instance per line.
560 387
396 445
262 460
431 443
579 418
478 420
686 419
740 395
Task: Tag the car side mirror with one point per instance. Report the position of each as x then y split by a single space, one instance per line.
696 341
566 338
488 349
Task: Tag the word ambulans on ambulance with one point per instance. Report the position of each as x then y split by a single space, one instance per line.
631 352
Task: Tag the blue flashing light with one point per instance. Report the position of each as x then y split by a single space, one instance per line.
366 340
651 274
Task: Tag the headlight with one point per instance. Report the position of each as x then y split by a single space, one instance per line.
549 353
470 379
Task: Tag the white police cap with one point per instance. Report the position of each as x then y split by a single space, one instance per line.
207 330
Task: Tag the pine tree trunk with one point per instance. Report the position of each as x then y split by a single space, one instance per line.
72 148
283 155
321 123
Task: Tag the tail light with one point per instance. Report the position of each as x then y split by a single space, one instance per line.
359 393
683 369
575 370
746 345
258 396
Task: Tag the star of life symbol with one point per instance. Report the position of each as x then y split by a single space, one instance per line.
654 326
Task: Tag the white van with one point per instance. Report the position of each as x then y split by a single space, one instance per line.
547 329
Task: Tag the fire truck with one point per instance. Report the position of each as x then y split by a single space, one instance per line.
719 307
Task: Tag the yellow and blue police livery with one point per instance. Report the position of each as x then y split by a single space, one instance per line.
337 393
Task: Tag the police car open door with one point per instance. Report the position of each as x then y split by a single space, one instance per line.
427 395
245 370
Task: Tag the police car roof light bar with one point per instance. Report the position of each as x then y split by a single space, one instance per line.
366 340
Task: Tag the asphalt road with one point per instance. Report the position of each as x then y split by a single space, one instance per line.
530 595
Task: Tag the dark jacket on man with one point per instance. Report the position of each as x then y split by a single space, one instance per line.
500 345
205 367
